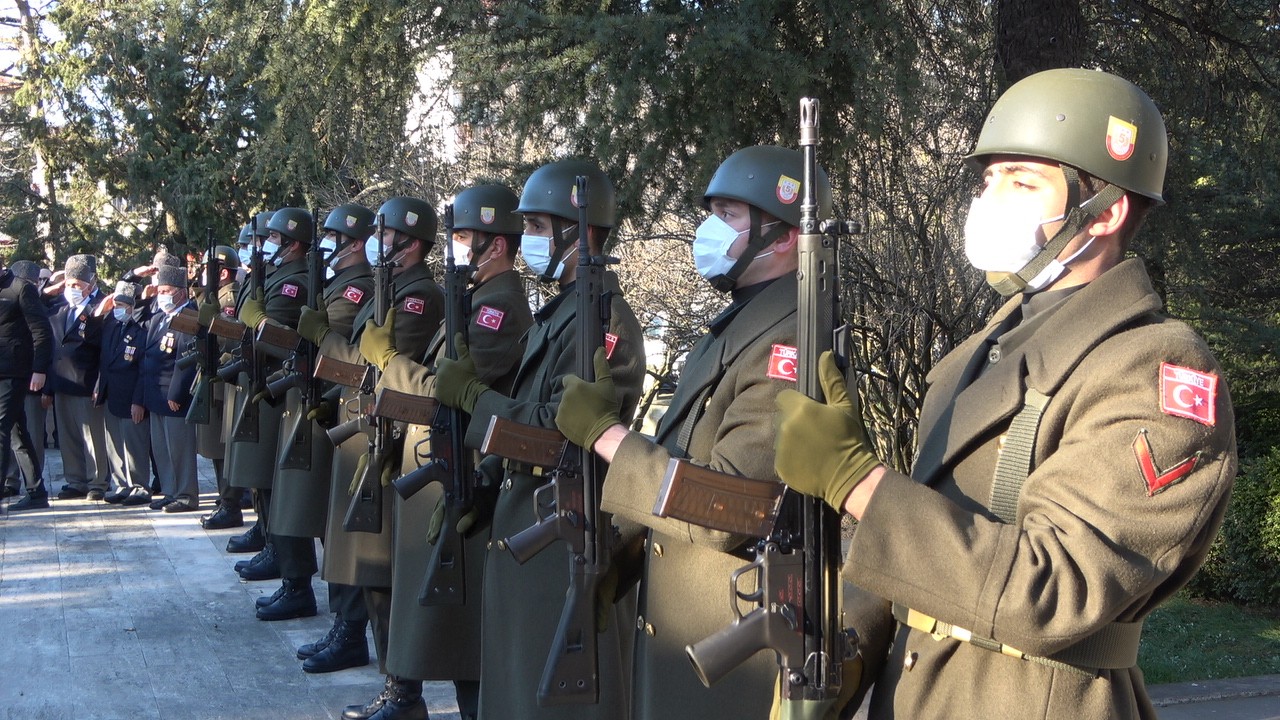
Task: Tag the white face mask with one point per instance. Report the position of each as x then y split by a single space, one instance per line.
371 249
461 253
711 243
271 251
537 253
166 303
245 255
1000 238
74 296
332 256
120 313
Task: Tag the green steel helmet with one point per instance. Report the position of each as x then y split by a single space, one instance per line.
771 178
227 257
552 189
292 223
264 219
488 208
351 219
411 216
1090 120
246 235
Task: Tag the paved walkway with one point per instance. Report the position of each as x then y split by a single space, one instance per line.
114 612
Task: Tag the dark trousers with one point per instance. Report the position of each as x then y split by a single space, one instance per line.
296 555
378 602
13 433
347 601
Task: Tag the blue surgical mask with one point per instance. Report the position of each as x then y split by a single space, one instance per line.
245 255
271 250
711 243
165 303
537 253
74 296
371 249
120 313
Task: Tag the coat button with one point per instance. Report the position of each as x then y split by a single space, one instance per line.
501 545
648 629
657 550
909 661
506 484
993 355
639 622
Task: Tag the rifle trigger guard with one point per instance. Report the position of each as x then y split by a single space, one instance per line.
755 596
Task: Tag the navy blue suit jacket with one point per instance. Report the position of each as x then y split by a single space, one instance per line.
159 379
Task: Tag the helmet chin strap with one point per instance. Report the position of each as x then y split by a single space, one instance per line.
1079 215
755 243
560 246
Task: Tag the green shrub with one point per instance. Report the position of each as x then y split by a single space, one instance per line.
1244 563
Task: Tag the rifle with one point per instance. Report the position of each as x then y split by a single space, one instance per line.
364 513
572 674
246 427
202 391
299 367
796 590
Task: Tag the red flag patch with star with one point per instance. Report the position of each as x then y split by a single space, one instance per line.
782 363
489 317
290 290
1158 481
610 342
353 294
1188 393
414 305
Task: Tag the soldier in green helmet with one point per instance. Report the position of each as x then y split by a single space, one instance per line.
522 604
721 416
1075 456
211 438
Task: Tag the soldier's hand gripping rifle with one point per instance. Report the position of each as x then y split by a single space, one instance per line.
364 513
206 344
793 585
246 427
571 674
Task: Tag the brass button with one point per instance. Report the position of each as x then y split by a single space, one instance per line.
657 550
648 629
909 661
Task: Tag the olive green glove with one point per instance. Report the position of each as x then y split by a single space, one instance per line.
456 383
313 324
821 449
587 409
208 311
253 311
378 342
437 522
385 477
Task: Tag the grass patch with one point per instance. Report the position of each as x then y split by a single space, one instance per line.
1189 639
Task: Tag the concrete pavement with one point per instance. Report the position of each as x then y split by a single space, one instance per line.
132 613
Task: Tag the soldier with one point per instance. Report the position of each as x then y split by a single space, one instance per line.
522 603
77 334
361 558
721 416
1076 455
211 438
165 391
442 642
128 428
300 499
26 333
253 460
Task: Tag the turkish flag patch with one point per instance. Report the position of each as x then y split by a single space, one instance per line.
414 305
289 290
782 363
229 311
1156 480
489 317
353 293
1188 393
610 342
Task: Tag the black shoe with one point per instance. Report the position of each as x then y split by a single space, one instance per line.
7 491
137 496
178 506
33 501
404 702
348 649
310 649
115 497
95 494
251 540
268 568
69 493
266 600
368 710
297 601
222 518
160 502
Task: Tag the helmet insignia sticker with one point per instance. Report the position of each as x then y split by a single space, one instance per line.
486 215
573 196
351 221
411 219
1122 137
293 225
788 189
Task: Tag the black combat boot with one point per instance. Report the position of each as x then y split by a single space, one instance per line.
369 709
267 568
266 600
347 649
222 518
310 649
404 703
297 601
251 540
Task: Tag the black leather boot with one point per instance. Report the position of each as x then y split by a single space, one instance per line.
404 702
222 518
267 568
369 709
310 649
347 649
296 601
266 600
251 540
